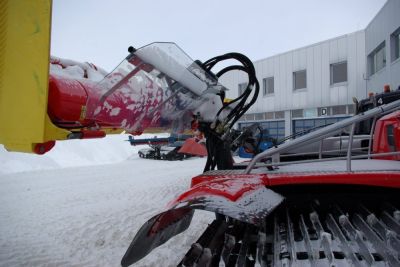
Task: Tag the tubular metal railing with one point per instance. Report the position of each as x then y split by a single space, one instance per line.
329 131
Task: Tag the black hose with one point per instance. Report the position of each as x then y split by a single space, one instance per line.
219 150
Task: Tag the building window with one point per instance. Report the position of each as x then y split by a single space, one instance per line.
338 72
304 126
276 129
299 79
279 115
268 86
269 115
297 113
395 44
242 87
249 117
259 116
350 109
377 59
310 112
339 110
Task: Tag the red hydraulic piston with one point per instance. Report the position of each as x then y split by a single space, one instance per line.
67 100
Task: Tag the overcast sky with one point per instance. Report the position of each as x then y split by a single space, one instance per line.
100 31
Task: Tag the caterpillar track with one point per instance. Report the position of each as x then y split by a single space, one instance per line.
318 227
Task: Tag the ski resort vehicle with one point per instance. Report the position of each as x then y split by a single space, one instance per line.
162 153
315 223
329 212
336 211
325 211
159 148
174 147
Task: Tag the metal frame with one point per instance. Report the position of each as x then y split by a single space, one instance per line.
329 131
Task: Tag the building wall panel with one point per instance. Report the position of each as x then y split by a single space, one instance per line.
379 30
316 60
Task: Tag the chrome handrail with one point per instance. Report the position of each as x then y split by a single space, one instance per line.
376 155
322 153
323 133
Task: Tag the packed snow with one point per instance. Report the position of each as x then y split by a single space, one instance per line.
82 203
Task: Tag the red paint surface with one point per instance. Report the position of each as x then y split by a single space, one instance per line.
192 147
384 179
381 141
164 219
86 134
230 187
234 186
68 105
42 148
66 99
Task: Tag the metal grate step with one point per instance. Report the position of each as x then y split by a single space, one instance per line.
306 233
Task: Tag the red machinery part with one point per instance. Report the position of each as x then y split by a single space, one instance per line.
387 136
66 102
193 147
42 148
86 134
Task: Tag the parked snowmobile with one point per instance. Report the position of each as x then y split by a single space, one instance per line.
340 211
161 148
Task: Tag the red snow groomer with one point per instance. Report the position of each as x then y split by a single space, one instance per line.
174 147
334 209
341 210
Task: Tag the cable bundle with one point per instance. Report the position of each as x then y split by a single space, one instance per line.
218 143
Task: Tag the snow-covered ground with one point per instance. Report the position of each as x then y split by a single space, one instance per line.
82 203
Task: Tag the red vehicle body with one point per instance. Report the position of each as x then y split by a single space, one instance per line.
343 213
255 202
282 193
387 135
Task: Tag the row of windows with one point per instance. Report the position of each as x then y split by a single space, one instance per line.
263 116
376 61
341 110
338 74
324 111
306 125
276 129
377 58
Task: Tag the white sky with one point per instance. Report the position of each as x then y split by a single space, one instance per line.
100 31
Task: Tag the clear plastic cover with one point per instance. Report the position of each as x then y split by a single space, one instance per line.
158 87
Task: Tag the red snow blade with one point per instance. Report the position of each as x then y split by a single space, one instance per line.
192 147
156 232
251 205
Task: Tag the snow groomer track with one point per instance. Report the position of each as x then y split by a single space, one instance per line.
310 229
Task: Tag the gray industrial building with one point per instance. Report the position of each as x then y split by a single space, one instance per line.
314 85
382 47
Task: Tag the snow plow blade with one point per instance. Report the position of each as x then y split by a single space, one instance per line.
156 232
250 203
251 208
192 147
